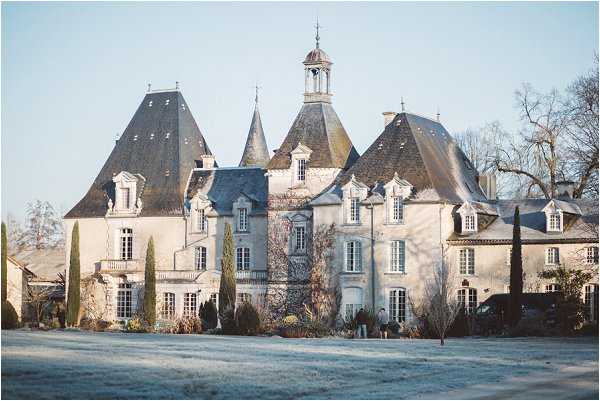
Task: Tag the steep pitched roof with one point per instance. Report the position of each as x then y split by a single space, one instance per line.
256 152
422 152
533 223
161 143
318 127
224 186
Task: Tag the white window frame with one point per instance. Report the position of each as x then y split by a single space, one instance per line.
467 294
214 297
508 256
397 304
243 219
469 222
354 210
397 210
552 287
124 301
353 256
168 306
300 238
242 258
555 221
126 198
301 170
552 256
242 297
466 261
201 220
591 255
590 301
190 304
200 258
397 256
351 306
126 243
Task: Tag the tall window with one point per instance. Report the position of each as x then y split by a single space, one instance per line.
398 257
300 234
200 258
189 304
398 210
125 199
467 298
243 297
214 298
591 302
554 222
470 222
552 256
243 219
200 220
301 173
243 258
467 261
168 307
124 301
353 256
352 302
398 305
591 255
552 288
354 210
508 256
126 240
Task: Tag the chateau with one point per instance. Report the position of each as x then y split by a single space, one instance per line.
411 201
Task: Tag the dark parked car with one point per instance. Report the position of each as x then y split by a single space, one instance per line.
491 315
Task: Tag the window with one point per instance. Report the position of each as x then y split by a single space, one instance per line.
300 234
244 297
554 223
189 304
352 302
552 256
398 305
125 200
200 220
398 210
353 256
242 219
200 258
508 256
124 301
354 210
214 298
467 261
243 258
591 302
552 288
168 307
126 251
467 298
301 173
398 257
591 255
469 222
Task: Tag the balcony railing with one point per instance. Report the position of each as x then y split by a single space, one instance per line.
118 265
190 275
248 276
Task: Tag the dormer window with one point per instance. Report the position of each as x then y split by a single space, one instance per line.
398 210
469 223
201 220
242 219
396 191
354 210
555 222
126 197
301 170
300 237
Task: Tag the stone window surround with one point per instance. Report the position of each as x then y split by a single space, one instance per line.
396 188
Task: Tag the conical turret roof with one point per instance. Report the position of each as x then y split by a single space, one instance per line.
162 144
256 153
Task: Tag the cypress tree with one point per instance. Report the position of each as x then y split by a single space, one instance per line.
227 285
150 285
74 279
516 273
4 265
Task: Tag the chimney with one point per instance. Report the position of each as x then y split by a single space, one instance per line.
208 161
487 182
388 117
565 189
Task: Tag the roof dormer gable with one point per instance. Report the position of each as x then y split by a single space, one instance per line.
301 151
355 189
476 216
560 215
126 198
398 187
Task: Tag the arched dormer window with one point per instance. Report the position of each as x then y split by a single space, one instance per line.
127 193
200 208
300 157
468 218
396 191
242 208
354 192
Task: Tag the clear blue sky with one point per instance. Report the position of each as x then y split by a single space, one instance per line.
74 73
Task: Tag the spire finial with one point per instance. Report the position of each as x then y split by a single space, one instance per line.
402 103
256 88
317 37
438 114
177 85
149 87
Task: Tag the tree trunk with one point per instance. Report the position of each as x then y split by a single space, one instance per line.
442 340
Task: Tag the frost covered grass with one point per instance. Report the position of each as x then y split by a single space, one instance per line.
110 365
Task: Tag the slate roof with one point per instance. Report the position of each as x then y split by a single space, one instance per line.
224 186
533 223
423 153
256 152
318 127
161 143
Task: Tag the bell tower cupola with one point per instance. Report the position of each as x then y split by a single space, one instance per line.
317 74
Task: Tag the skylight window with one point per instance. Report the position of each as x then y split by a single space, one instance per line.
135 137
167 102
151 136
167 135
183 106
150 103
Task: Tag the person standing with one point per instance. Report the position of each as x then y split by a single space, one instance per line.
383 319
361 321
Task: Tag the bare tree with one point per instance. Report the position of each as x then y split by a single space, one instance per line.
44 227
15 234
38 298
441 303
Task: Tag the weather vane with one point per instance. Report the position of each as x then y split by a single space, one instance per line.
318 37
